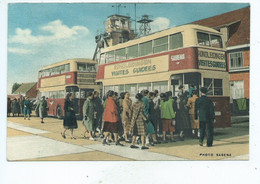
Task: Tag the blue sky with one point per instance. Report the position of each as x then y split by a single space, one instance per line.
40 34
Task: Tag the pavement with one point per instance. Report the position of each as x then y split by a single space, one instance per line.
239 119
30 140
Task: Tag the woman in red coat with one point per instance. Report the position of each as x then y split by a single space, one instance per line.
111 119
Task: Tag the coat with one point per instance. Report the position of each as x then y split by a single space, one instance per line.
111 111
69 121
27 107
21 105
43 106
152 111
9 108
150 126
15 107
167 111
88 114
206 109
146 105
127 110
191 104
138 125
182 116
98 106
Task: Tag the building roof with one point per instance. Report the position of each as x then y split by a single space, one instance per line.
238 22
24 88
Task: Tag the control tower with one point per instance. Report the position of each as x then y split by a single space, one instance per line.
118 30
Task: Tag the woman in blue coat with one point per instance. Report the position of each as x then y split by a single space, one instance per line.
27 108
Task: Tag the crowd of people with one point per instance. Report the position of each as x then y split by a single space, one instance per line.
19 107
146 121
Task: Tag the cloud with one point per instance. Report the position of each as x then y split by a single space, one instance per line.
160 23
19 50
55 30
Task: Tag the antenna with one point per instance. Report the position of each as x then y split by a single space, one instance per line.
145 25
118 8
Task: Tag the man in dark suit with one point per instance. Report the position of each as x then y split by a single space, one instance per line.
206 117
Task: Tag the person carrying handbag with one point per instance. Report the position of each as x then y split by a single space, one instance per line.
167 115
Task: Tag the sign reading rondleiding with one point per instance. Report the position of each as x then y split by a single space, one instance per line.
209 59
138 67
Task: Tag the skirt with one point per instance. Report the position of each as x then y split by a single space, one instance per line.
111 127
167 125
89 124
194 123
139 129
70 122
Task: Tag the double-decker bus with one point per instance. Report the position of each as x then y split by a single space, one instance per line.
185 55
73 75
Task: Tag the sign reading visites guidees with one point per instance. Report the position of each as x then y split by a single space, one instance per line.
138 67
209 59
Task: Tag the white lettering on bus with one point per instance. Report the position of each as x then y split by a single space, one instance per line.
177 57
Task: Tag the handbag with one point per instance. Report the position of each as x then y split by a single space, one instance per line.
173 122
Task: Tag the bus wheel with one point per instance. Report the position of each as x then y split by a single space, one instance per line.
59 112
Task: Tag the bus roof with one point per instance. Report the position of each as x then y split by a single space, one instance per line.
75 60
162 33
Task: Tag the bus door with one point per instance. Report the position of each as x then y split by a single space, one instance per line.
185 79
76 101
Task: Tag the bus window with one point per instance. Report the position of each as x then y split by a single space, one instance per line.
72 89
143 86
62 69
102 59
67 68
91 68
132 89
110 57
132 52
146 48
120 54
107 88
214 86
176 41
162 87
203 39
216 41
160 44
218 87
81 67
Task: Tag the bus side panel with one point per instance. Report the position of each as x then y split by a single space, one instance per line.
53 105
222 111
101 72
183 59
71 78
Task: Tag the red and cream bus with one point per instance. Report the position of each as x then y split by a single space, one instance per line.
184 55
73 75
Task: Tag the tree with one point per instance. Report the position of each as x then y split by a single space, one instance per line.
15 87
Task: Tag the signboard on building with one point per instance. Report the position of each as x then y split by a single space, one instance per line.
209 59
138 67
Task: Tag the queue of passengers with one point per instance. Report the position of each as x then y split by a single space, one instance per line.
145 121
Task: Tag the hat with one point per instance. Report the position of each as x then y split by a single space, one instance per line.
203 90
181 86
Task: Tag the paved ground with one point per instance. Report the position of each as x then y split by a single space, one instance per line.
32 141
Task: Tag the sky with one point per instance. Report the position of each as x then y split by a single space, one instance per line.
43 33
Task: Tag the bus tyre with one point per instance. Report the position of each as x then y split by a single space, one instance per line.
59 112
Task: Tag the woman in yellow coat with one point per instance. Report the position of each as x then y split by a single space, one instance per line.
127 114
191 105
